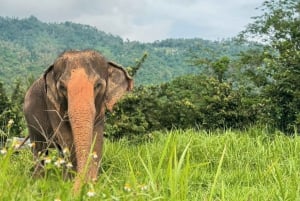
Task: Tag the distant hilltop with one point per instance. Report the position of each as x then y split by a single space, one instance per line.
28 46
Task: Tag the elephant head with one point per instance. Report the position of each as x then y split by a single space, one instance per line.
79 86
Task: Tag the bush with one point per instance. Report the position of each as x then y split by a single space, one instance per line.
187 102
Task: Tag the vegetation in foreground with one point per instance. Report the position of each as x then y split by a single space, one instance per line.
177 165
181 165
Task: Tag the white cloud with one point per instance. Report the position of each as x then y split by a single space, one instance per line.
144 20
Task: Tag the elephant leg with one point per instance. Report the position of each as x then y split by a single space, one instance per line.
96 153
71 163
39 135
39 165
64 141
40 151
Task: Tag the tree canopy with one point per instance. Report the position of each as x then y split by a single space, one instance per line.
28 46
278 29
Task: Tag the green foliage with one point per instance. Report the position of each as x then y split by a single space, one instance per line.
182 165
138 64
11 116
279 29
24 54
218 66
186 102
130 116
4 104
29 46
242 85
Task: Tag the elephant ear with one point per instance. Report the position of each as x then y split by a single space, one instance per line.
50 87
118 83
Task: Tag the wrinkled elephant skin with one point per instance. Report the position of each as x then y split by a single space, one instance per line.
66 106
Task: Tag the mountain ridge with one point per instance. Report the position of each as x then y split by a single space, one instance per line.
28 46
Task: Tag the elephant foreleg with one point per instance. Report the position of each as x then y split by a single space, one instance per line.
40 154
96 156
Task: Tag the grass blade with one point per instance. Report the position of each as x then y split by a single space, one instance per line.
217 175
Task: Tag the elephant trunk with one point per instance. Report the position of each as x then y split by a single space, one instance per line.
81 111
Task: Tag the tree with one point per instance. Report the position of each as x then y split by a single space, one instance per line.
3 99
11 113
4 108
138 64
218 66
278 29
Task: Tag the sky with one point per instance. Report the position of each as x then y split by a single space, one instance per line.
144 20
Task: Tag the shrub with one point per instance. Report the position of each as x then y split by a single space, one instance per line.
187 102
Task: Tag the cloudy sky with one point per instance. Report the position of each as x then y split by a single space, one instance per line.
144 20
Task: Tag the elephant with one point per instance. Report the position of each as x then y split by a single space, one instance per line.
66 107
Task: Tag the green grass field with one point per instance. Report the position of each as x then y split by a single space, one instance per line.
177 165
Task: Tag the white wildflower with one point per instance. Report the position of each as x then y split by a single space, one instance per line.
69 165
10 123
31 145
3 151
91 193
127 187
94 155
47 160
17 145
66 150
144 187
59 162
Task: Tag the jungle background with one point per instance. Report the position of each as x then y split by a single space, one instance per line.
207 120
252 79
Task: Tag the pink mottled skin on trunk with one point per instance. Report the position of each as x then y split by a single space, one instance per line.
81 110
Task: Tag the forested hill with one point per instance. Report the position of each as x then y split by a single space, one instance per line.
28 46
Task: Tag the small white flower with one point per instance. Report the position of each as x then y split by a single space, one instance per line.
69 165
3 151
47 160
94 155
57 199
127 187
31 145
17 146
66 150
10 122
144 187
91 193
59 162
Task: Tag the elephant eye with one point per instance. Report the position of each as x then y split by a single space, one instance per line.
62 88
97 85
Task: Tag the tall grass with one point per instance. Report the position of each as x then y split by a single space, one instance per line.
177 165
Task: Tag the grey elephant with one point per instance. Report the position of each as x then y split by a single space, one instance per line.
66 108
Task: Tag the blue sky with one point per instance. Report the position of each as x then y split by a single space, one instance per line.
144 20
